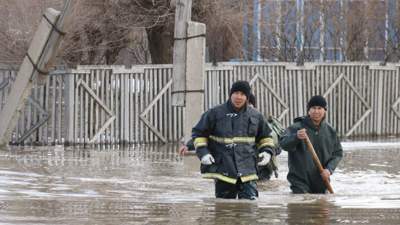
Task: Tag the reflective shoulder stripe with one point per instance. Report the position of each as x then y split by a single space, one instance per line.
222 140
200 142
220 177
249 178
265 142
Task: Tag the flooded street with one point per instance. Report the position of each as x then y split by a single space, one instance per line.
153 185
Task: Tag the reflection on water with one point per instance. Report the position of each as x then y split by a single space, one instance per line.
317 212
153 185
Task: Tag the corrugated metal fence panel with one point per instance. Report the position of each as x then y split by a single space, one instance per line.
7 77
393 95
114 104
135 101
385 100
361 100
45 101
344 95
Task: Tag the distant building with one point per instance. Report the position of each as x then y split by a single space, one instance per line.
322 30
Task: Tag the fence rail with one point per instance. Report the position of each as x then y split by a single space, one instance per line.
114 104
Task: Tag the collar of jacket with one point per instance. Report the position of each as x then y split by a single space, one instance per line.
232 108
309 123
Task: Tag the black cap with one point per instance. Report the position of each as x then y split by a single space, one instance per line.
242 86
316 100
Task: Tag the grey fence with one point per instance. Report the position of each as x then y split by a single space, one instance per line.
114 104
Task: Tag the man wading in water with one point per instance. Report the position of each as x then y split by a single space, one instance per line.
263 172
225 139
304 176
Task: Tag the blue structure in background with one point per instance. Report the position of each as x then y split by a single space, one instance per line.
294 30
245 32
256 30
299 27
392 34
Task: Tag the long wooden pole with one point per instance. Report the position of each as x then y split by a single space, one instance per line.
314 155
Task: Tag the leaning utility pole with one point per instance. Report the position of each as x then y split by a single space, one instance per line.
183 14
189 65
35 65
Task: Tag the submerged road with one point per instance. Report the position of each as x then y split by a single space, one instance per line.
153 185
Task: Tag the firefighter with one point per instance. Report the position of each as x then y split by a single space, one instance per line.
227 139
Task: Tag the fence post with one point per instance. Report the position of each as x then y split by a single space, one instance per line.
69 120
380 106
125 107
300 91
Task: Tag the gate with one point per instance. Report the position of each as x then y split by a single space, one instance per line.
114 104
118 105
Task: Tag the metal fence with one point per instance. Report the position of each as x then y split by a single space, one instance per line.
114 104
363 98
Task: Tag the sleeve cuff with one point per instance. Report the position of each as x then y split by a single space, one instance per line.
330 170
268 150
202 151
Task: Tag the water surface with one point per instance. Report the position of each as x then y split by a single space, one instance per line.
153 185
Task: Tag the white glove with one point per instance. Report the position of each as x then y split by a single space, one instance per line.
207 159
265 157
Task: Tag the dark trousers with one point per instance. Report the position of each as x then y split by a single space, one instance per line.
300 188
246 190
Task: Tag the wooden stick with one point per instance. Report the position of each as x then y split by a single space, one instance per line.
314 155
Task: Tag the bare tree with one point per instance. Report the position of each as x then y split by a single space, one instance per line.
100 29
224 19
392 48
335 30
141 31
17 26
310 45
97 31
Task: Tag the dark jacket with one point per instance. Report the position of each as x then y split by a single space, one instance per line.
303 174
232 138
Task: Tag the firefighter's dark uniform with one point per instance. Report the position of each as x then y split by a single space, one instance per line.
232 138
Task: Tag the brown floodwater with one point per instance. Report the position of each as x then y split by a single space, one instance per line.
151 184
